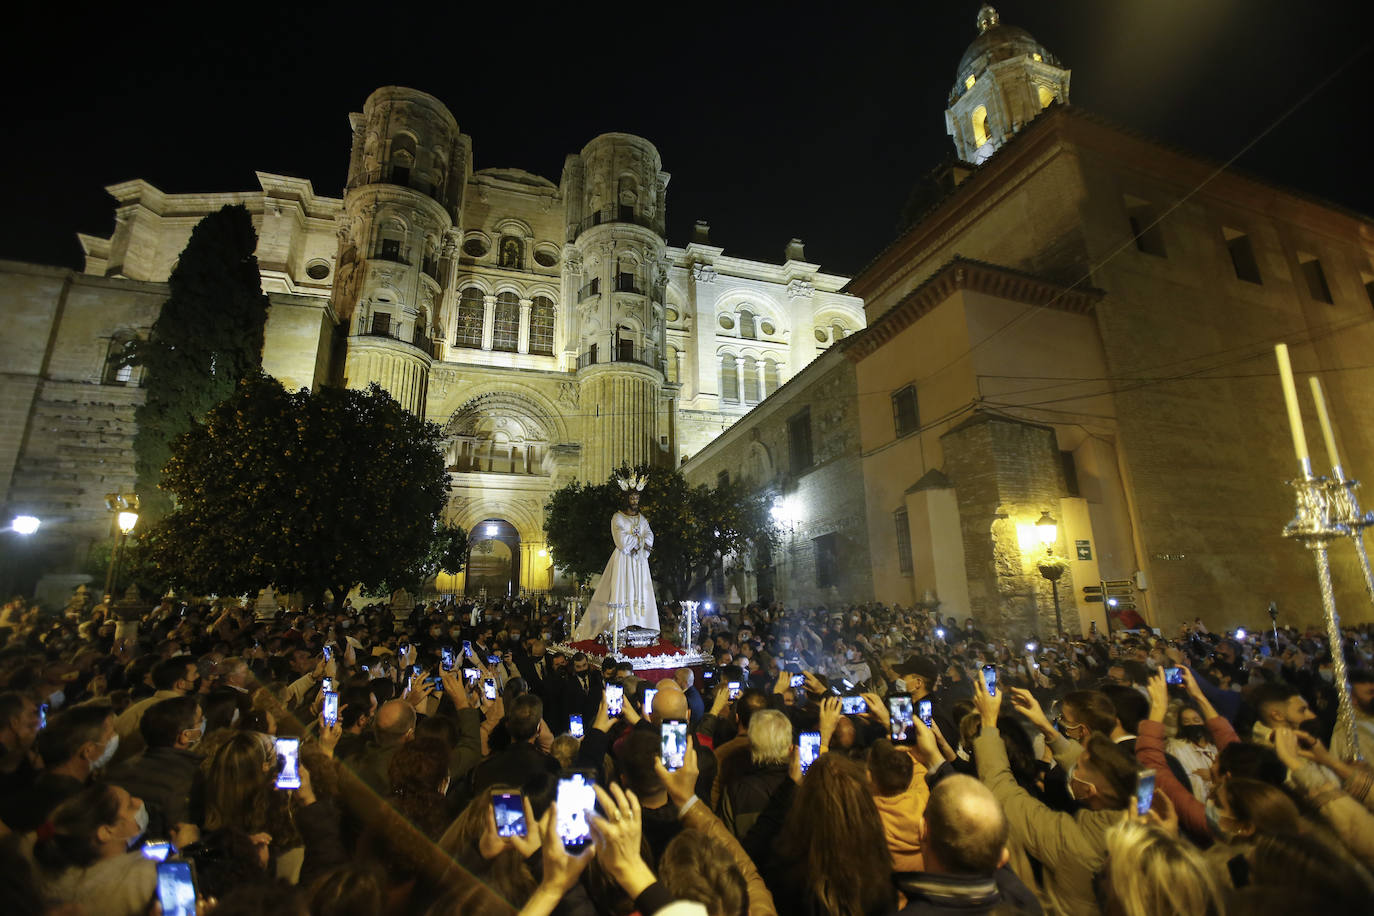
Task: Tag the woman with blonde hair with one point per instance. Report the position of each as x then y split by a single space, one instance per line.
1152 873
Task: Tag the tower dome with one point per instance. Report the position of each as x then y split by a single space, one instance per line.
1004 80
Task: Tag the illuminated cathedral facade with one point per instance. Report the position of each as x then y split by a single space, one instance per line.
549 327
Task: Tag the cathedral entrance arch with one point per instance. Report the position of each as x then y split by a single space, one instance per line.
493 560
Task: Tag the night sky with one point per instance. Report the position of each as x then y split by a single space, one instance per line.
791 121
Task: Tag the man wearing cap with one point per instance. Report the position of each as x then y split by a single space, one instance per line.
921 675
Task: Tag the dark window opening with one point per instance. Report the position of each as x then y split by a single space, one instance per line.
899 519
381 324
1148 237
391 249
906 415
400 175
1317 287
1070 466
827 548
723 479
1243 259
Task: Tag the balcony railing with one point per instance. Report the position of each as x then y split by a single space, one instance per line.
616 215
642 356
627 283
418 341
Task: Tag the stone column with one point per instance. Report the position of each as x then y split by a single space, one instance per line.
488 320
523 343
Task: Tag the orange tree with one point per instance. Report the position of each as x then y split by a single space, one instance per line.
303 491
695 528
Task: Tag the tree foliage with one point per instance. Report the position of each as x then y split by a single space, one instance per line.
206 339
306 492
695 528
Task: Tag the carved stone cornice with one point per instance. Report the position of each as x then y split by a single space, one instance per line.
978 276
703 273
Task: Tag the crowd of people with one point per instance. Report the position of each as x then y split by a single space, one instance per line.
338 760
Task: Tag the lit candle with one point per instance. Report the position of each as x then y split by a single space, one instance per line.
1290 397
1325 419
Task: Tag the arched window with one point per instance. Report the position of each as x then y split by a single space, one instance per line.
117 369
505 328
430 265
627 197
750 377
471 309
770 376
541 326
729 380
402 158
512 252
391 241
980 125
1046 96
747 328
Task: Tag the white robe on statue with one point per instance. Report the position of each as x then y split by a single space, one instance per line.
626 582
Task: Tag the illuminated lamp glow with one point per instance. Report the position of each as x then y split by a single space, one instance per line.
25 524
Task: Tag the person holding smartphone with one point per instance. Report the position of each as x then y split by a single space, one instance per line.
1073 847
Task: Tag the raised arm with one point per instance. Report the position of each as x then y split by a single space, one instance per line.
1149 750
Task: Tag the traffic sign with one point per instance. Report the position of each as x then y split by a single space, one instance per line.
1124 605
1124 592
1120 583
1092 590
1092 597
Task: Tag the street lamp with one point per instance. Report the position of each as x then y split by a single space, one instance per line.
1050 568
24 524
124 506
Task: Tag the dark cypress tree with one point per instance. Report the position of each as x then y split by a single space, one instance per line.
207 338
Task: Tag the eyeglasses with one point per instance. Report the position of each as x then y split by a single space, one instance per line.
1063 727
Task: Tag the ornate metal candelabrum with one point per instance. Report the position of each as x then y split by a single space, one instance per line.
688 624
1346 511
1322 516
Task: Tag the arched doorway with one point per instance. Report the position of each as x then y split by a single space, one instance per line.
493 559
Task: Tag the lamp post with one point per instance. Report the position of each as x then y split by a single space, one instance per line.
1048 531
125 510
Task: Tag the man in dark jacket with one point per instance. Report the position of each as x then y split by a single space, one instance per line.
964 846
746 793
163 775
79 741
581 689
522 760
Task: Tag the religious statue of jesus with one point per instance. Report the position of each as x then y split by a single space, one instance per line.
625 595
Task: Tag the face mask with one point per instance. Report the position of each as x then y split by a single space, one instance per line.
140 821
1072 774
56 699
1192 733
105 755
899 686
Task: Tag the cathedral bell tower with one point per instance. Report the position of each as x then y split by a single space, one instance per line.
614 277
1005 79
396 239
